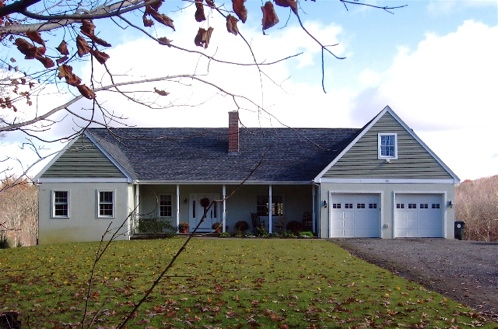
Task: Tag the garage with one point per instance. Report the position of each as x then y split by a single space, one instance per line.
418 216
354 215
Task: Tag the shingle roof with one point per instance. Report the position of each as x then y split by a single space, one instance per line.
201 154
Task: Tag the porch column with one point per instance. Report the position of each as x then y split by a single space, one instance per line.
270 209
224 211
177 206
136 206
313 208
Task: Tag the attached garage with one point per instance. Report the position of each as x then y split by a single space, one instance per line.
418 216
354 215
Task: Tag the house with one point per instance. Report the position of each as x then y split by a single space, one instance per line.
377 181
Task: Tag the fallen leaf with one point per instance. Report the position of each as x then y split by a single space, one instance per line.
270 17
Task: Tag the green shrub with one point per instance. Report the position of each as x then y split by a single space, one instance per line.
4 242
155 225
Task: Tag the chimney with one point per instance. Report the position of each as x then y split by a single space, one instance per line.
233 132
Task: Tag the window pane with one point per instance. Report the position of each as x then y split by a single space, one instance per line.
106 203
165 206
61 203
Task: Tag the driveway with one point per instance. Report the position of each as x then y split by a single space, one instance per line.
466 271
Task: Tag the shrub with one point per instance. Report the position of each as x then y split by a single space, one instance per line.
294 226
4 243
241 226
155 225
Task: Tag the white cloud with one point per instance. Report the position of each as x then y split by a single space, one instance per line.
445 90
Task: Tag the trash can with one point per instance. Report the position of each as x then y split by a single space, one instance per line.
459 229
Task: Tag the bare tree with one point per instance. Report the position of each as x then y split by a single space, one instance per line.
19 212
477 206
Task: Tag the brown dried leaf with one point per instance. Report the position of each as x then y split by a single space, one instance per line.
287 3
161 92
210 3
26 48
270 17
147 21
85 91
232 24
61 60
203 36
100 56
35 37
240 9
164 41
199 13
47 62
83 47
66 71
156 4
163 19
62 48
87 27
40 51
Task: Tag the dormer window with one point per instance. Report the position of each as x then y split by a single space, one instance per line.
388 146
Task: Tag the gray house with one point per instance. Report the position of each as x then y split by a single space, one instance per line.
377 181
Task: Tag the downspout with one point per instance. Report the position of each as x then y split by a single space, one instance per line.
313 208
177 206
317 209
224 215
270 209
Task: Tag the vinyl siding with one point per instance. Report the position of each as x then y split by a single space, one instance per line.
83 160
414 161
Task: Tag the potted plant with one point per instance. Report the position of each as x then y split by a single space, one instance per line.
183 227
216 227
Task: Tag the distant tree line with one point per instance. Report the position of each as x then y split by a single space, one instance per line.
18 213
477 205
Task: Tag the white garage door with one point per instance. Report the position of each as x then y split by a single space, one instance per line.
418 215
354 215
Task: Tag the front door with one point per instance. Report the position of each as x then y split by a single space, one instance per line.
197 211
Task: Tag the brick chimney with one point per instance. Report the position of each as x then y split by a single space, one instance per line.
233 132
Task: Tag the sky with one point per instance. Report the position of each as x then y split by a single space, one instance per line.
434 62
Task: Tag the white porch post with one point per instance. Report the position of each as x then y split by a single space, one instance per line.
136 219
177 206
270 209
313 208
224 214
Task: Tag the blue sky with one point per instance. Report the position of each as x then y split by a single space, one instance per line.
434 62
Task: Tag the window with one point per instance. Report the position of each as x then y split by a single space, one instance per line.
60 207
336 205
388 146
372 206
412 206
277 207
360 206
348 205
106 203
165 206
400 206
424 206
436 206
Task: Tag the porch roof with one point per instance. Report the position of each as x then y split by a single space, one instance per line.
201 154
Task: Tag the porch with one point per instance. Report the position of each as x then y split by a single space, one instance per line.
164 208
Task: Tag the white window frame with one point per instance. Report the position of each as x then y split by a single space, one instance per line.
113 203
170 206
379 146
67 203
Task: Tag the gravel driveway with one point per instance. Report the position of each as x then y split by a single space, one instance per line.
466 271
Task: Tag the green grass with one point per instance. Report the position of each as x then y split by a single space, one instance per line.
218 283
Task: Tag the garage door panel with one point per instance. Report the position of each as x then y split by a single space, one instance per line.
418 215
355 215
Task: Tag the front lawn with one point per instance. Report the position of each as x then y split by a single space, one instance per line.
217 283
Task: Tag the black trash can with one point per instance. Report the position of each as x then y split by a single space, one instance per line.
459 229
